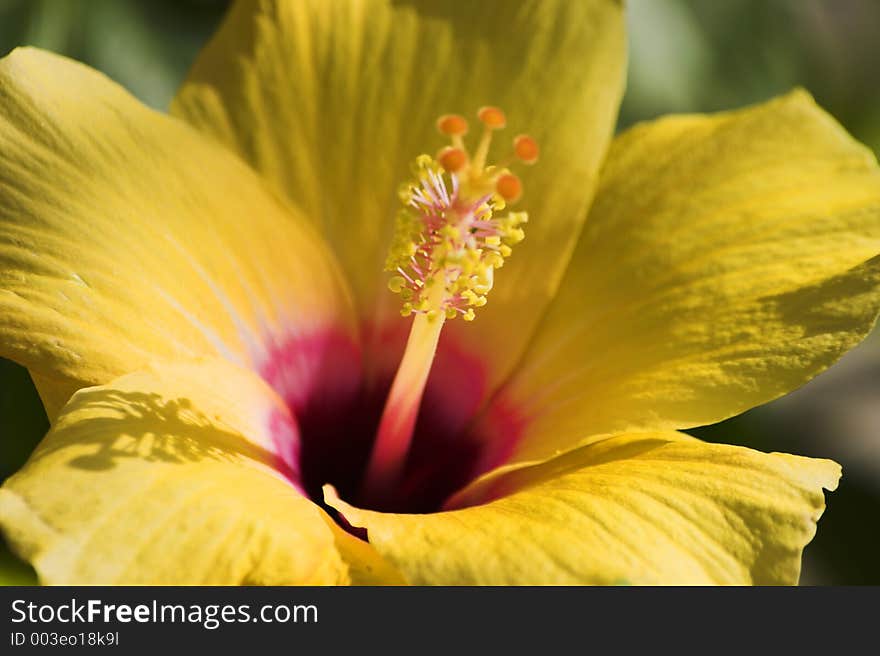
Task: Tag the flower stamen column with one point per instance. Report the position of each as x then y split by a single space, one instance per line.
449 238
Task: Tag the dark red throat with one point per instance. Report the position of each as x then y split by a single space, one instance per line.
337 393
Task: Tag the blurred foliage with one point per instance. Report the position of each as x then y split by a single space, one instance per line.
711 55
23 423
147 45
685 56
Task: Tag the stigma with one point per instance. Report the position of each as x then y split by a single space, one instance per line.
455 227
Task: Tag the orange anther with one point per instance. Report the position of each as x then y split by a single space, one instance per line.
526 149
492 117
508 187
452 125
452 159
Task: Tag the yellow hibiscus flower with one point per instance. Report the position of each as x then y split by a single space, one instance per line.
201 302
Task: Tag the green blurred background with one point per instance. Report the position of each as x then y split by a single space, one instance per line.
685 56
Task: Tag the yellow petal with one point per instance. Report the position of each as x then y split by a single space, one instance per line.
126 235
725 262
365 565
641 509
54 392
332 101
172 475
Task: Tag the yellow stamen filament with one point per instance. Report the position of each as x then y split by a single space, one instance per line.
492 119
395 432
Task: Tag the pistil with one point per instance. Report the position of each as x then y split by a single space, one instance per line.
449 238
395 433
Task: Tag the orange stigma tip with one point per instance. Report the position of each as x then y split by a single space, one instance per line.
452 125
452 159
508 187
526 149
492 117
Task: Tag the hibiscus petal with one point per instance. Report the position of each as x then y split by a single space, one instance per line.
332 101
725 262
643 509
175 475
365 565
126 235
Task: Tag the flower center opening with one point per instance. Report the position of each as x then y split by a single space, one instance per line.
410 434
455 439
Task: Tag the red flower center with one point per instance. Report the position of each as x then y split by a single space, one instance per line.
337 392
